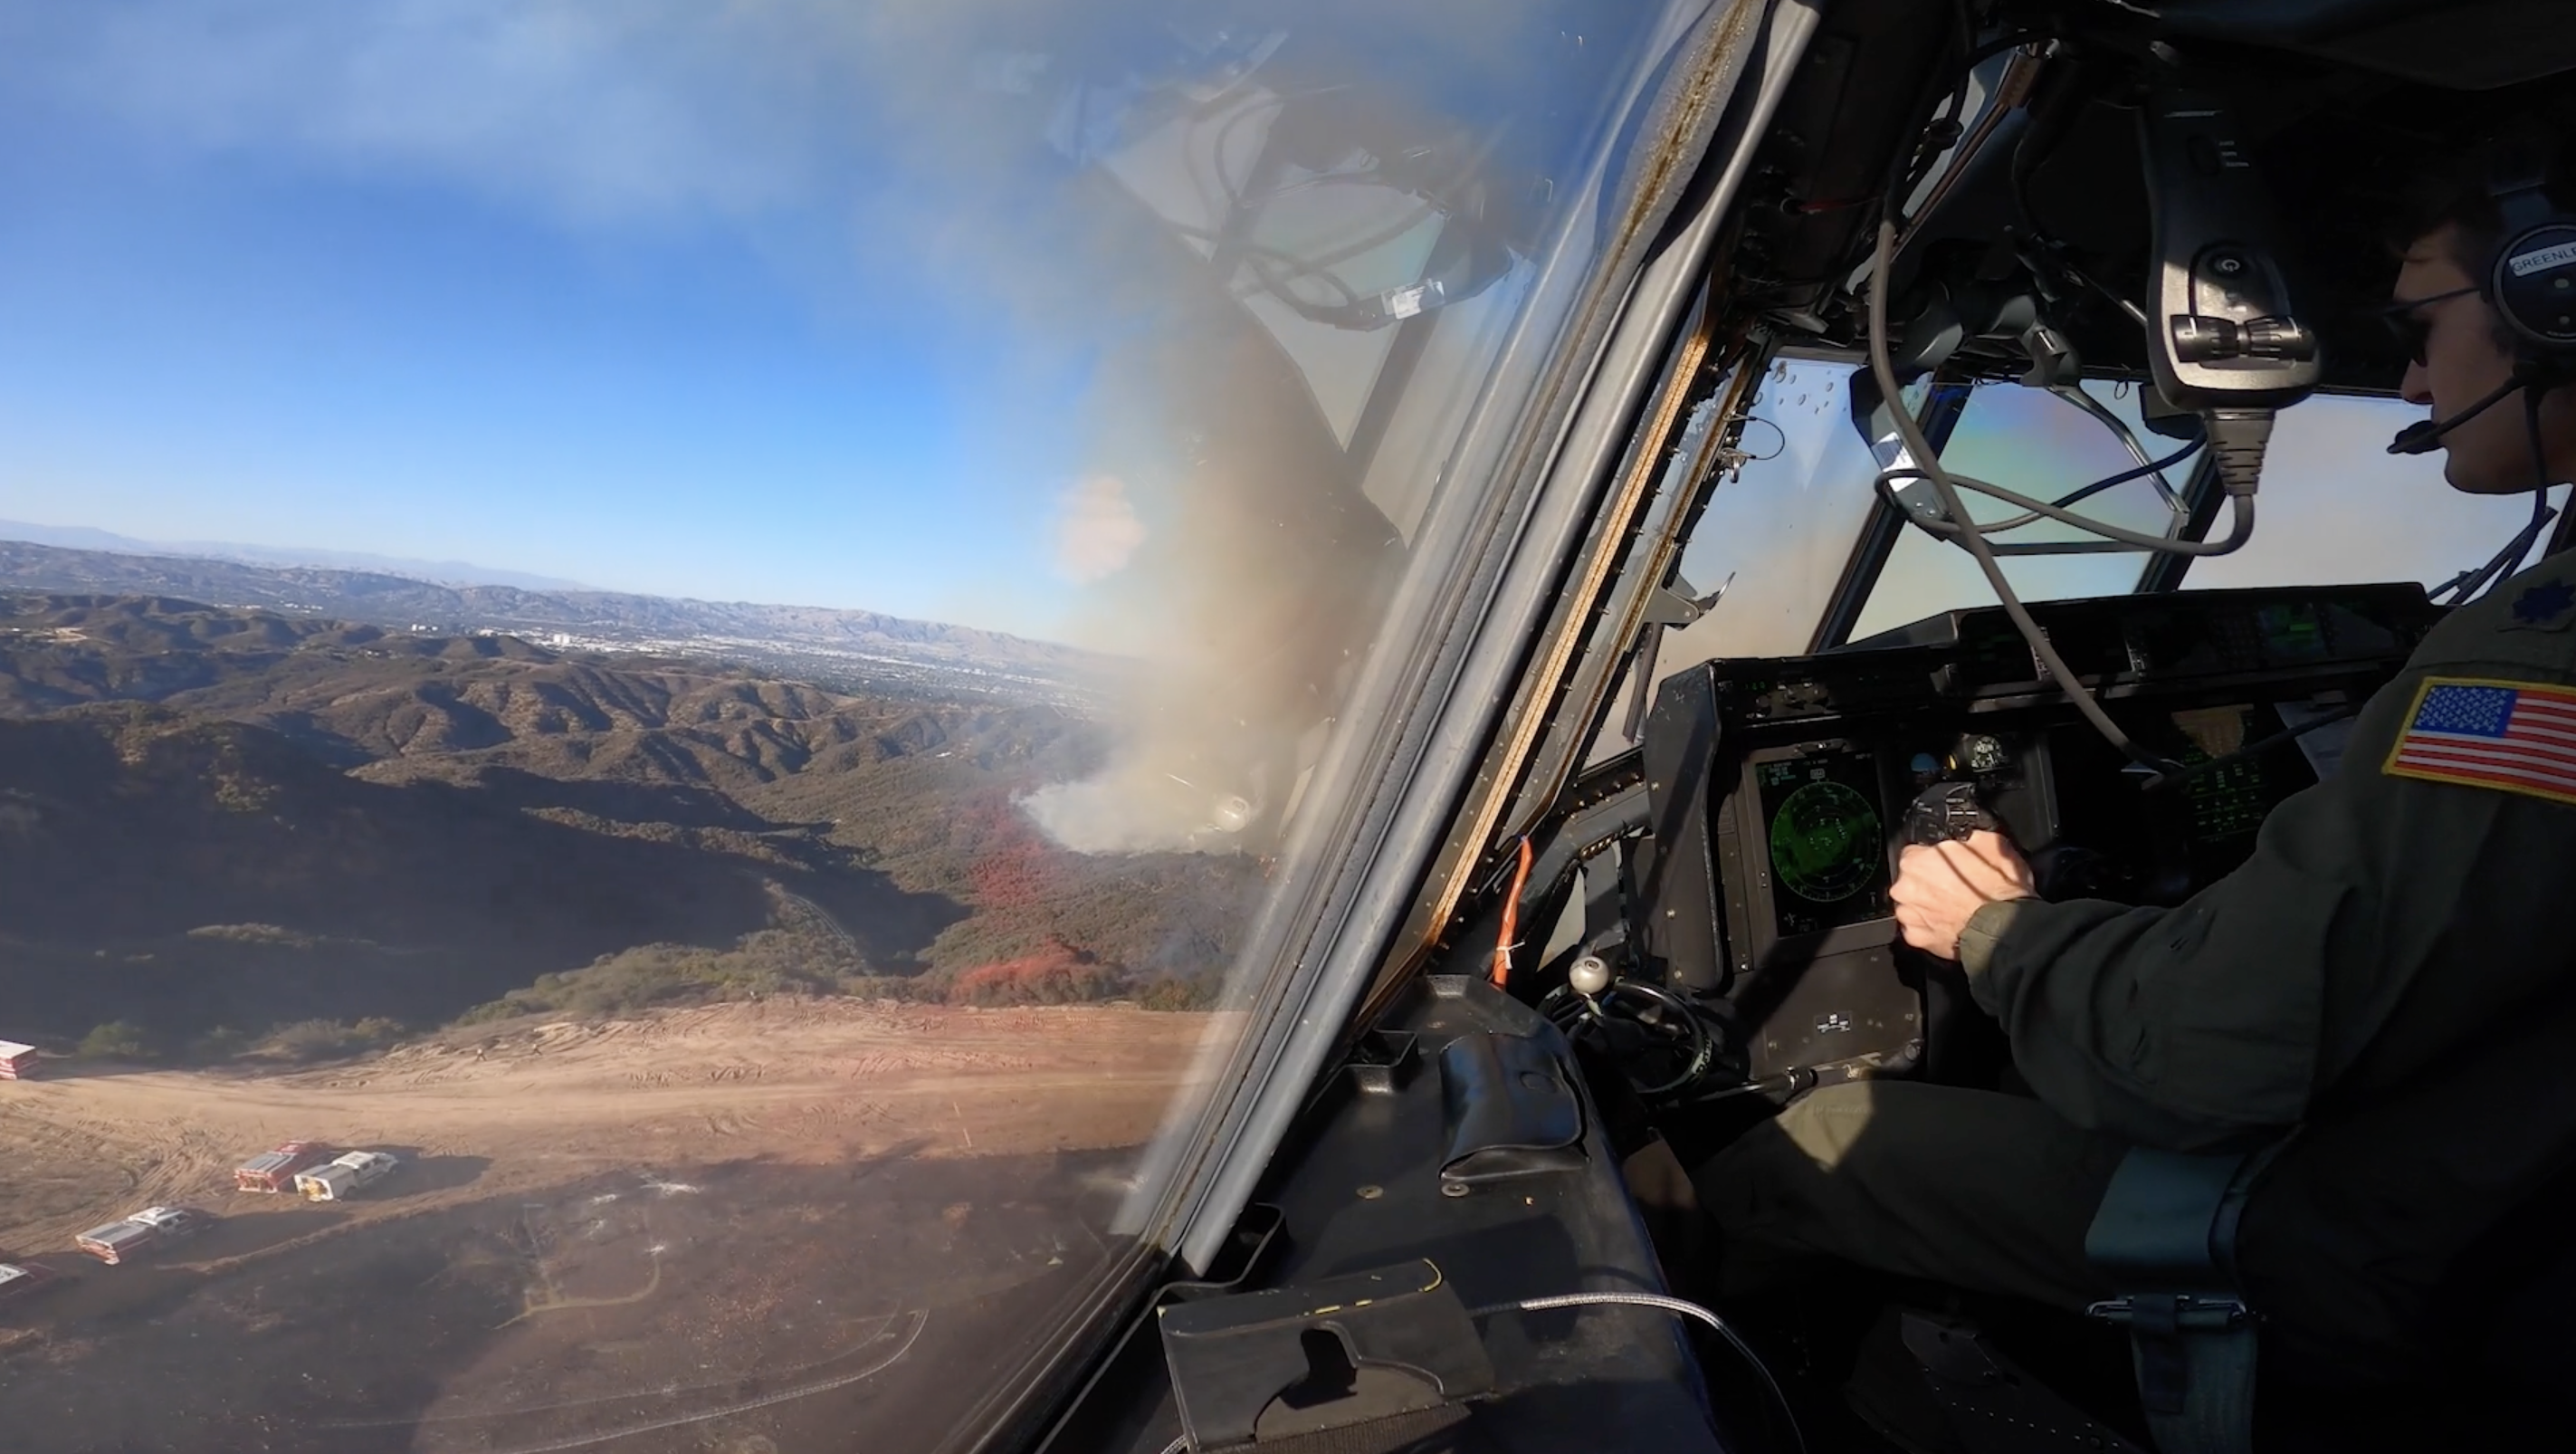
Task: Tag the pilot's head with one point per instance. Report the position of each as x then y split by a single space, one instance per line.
2463 351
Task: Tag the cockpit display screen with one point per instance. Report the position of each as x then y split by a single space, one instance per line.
1827 840
2227 803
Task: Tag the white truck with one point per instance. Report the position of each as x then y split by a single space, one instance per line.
345 1177
146 1229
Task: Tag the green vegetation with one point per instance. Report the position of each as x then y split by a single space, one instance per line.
1201 993
770 962
780 962
220 1043
329 1039
116 1040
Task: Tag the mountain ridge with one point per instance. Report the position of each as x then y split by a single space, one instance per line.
450 572
818 642
361 694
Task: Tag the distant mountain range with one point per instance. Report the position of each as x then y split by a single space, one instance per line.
445 572
849 650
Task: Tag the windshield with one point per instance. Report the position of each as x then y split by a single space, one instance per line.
651 657
2042 444
1781 532
2346 510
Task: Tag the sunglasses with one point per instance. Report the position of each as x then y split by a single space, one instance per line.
2405 319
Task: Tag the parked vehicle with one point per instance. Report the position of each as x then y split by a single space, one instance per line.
275 1171
24 1279
147 1229
346 1177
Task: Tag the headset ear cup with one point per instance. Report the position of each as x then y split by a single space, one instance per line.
2534 285
2532 281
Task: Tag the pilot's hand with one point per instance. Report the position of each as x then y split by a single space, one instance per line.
1940 885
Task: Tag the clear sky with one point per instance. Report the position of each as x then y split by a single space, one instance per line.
651 295
771 300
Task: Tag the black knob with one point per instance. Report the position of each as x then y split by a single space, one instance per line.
2279 338
2198 338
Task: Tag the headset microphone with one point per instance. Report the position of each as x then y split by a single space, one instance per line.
2530 281
2420 437
2425 435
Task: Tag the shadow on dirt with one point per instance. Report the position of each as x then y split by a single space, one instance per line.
247 1228
421 1174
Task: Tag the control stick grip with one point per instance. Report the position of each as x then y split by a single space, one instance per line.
1947 811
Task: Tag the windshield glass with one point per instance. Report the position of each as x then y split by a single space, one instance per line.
651 656
1779 528
1781 531
2042 444
2336 508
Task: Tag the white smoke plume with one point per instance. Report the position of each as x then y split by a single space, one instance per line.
1096 531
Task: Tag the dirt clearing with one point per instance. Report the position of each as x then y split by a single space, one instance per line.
804 1222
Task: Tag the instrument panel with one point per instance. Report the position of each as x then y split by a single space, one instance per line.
1782 789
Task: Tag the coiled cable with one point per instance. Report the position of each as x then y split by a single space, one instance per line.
1974 538
2113 536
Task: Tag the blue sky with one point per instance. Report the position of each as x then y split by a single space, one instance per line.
646 296
758 300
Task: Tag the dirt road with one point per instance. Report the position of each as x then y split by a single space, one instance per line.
805 1081
622 1233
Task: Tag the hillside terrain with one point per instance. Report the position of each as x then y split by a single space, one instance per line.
847 650
755 1074
229 828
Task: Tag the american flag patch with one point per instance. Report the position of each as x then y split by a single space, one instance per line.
2517 736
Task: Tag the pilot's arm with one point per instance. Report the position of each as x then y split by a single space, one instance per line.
2384 915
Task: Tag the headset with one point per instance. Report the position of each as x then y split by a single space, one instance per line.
2530 282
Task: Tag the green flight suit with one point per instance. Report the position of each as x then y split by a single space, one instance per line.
2371 976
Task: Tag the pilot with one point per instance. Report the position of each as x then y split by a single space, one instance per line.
2389 976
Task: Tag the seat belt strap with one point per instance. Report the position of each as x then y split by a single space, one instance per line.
2194 1358
2165 1235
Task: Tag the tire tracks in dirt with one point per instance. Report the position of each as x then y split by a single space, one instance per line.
796 1080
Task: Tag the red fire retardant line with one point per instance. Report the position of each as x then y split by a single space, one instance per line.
1511 919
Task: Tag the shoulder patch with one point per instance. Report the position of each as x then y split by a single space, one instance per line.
2548 605
2517 737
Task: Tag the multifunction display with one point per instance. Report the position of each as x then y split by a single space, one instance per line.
1827 839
